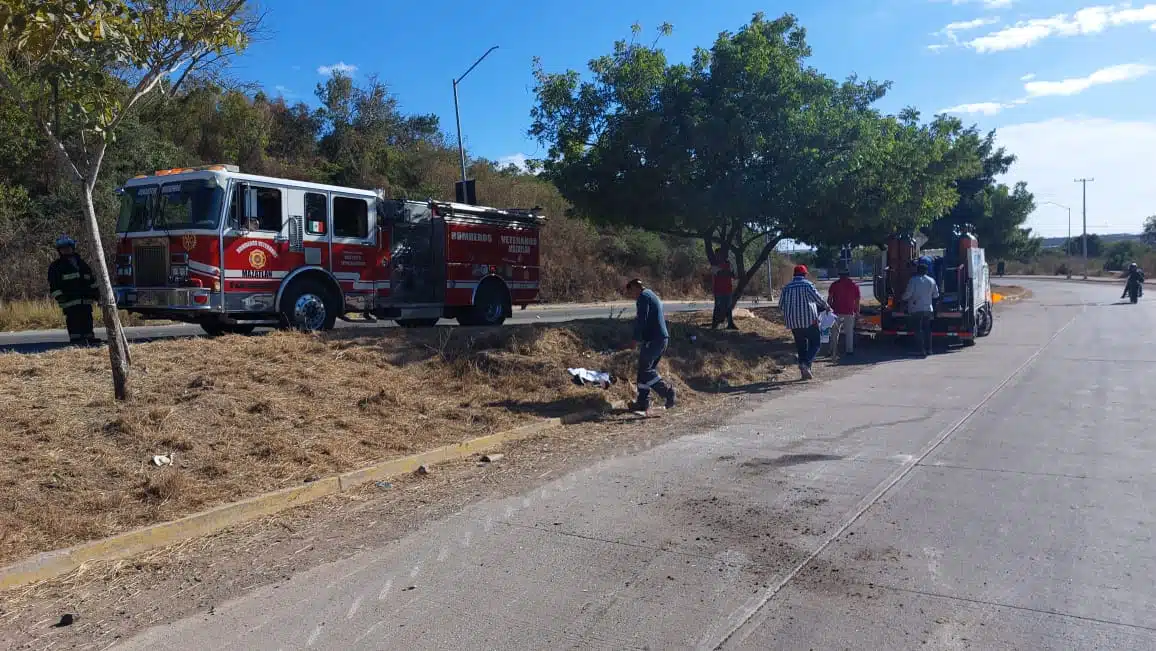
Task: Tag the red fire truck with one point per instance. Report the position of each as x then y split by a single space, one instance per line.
232 251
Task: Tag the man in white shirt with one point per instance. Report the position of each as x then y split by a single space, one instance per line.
920 299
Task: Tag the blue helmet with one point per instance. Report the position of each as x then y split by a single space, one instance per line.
64 241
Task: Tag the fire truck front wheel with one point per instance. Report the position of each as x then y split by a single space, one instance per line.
308 305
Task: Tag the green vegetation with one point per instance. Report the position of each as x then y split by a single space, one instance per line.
746 146
74 71
743 147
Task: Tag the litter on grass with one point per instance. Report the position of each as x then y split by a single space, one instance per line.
584 376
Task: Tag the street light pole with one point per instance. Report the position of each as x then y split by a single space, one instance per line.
458 115
1084 183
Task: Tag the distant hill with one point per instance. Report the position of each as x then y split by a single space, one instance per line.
1057 242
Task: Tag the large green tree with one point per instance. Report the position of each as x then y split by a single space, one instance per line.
78 68
992 211
741 147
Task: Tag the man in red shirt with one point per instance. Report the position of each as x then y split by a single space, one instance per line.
843 297
723 288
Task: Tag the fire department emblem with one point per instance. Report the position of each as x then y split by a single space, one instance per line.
190 241
257 259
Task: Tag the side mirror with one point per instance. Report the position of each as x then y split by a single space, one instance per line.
238 208
244 208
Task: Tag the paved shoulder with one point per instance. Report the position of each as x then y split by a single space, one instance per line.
995 497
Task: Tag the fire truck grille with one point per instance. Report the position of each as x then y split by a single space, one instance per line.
151 264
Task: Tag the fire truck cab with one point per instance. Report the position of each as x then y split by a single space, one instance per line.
232 251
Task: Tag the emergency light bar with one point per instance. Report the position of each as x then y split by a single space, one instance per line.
216 167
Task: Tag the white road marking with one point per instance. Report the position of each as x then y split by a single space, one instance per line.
739 620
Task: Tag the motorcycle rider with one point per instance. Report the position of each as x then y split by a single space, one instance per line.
1135 275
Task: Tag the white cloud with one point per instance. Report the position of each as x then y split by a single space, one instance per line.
1076 85
1064 87
969 24
983 108
951 30
1117 154
1089 20
339 67
283 90
517 160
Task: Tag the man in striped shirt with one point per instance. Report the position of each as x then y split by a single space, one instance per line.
801 303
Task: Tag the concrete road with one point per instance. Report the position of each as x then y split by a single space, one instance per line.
1002 496
36 341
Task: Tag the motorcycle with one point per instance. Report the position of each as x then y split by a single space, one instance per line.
1134 291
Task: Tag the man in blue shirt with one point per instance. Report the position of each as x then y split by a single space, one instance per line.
920 297
651 333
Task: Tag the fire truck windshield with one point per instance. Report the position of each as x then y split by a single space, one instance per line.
184 204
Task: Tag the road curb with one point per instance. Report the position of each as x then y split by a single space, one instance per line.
51 564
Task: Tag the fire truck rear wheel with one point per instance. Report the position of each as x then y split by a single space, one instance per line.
308 305
490 306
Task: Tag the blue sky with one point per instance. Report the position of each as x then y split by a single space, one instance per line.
1070 86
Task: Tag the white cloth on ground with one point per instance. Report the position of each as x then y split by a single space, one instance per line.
591 376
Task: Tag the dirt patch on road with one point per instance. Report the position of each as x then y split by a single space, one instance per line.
242 415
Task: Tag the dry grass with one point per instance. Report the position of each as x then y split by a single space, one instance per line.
243 415
44 314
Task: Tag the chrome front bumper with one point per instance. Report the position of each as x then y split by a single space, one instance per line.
193 299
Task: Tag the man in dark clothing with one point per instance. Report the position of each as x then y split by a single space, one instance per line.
74 287
723 288
1135 275
651 333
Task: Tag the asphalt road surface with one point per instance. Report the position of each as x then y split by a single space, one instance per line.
36 341
1002 496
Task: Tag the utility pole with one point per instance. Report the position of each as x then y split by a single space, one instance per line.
1084 183
458 116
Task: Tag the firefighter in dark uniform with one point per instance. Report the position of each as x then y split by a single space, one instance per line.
74 287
